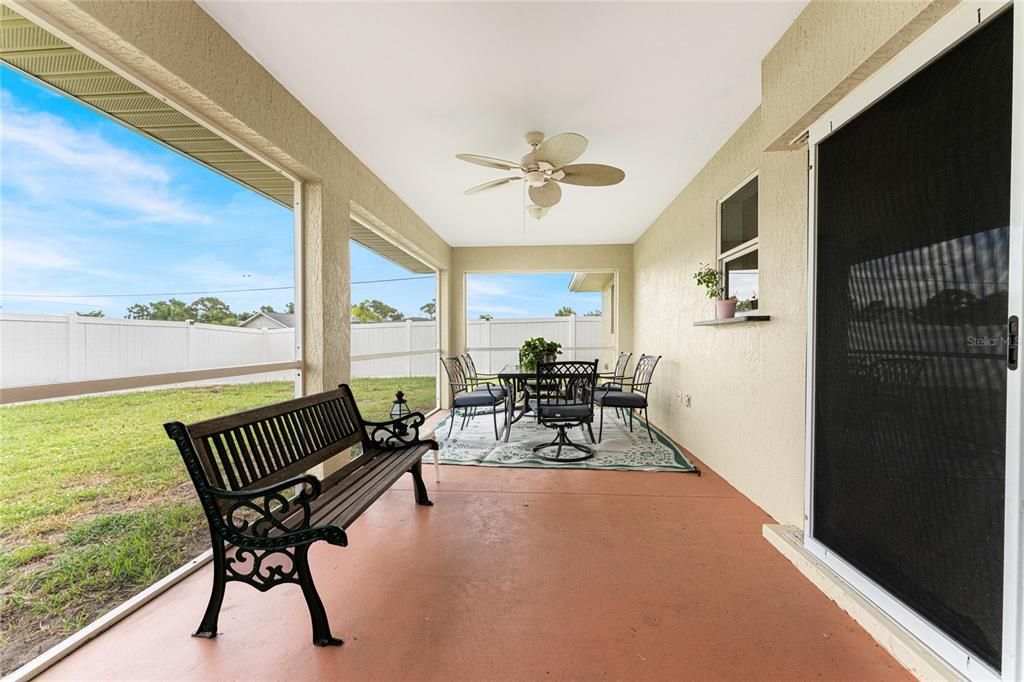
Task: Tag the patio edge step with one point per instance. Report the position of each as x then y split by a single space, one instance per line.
921 661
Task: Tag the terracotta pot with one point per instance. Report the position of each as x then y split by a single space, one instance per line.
725 309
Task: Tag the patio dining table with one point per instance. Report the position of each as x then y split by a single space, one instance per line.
513 378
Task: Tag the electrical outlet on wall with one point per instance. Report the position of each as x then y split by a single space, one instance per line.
687 399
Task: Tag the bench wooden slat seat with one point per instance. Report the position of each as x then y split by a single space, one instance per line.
250 469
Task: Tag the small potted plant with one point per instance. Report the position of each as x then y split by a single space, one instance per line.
537 350
711 279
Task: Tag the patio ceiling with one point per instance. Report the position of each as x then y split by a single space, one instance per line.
656 87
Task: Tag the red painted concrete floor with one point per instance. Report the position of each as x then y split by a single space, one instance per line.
519 575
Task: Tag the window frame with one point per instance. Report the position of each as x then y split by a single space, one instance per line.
747 247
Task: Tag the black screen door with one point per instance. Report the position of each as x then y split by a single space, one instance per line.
913 209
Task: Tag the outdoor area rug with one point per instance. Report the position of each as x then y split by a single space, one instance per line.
619 449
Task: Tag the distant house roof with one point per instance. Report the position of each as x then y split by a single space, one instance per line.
282 320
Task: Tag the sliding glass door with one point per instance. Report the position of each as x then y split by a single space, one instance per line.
911 282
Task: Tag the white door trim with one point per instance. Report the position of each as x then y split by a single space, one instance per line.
944 35
1013 549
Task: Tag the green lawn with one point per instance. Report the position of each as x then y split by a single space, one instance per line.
95 503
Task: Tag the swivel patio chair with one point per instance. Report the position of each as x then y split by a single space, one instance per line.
564 399
633 395
467 398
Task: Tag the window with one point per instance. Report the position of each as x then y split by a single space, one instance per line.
737 242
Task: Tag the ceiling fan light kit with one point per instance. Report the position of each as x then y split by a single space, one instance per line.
545 167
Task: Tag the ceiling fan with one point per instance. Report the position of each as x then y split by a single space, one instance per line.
545 166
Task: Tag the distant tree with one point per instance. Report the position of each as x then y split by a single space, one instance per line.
139 311
361 312
91 313
212 310
207 309
384 312
173 309
953 307
429 309
267 309
565 311
485 316
593 313
290 308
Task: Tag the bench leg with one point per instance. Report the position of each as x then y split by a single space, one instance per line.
208 626
321 628
418 485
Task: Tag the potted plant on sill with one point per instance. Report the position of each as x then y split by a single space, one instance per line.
537 350
712 280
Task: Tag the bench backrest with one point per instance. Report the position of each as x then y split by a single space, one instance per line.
260 447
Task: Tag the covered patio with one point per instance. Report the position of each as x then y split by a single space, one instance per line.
857 426
519 574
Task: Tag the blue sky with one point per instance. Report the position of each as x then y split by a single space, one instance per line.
94 210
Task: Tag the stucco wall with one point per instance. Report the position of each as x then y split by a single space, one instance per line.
746 419
830 48
176 50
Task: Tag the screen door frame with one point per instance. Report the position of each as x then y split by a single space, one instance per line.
948 32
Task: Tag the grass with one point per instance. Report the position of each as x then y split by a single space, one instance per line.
95 503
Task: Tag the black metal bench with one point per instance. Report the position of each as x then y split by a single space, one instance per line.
264 510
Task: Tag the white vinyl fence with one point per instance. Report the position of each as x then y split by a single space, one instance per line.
495 343
51 349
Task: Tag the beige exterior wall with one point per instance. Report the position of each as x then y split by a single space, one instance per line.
828 51
747 382
177 51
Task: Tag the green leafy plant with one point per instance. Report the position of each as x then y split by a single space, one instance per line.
711 279
533 351
746 305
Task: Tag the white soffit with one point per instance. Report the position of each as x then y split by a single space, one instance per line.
656 87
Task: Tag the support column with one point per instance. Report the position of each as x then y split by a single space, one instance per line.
326 294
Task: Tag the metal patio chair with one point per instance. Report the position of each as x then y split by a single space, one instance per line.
633 395
470 397
617 377
476 380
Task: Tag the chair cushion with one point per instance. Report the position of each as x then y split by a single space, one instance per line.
562 411
477 399
620 399
495 390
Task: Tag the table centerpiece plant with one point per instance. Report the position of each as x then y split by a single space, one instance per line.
537 350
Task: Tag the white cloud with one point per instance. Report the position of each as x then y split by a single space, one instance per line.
49 160
497 310
477 285
18 254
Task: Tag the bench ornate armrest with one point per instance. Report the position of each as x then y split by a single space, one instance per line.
398 433
272 507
